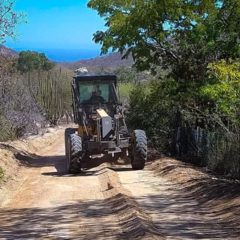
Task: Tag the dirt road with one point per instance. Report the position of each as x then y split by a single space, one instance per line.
107 202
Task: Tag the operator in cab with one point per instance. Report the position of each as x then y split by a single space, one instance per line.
96 98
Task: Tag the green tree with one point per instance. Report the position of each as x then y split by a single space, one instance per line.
183 36
29 61
223 89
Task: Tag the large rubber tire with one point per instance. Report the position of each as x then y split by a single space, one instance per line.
74 153
68 132
139 150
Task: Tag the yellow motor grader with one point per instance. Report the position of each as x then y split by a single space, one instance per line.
101 124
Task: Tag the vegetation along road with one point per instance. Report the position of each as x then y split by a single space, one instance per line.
167 200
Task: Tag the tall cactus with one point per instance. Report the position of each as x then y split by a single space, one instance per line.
50 92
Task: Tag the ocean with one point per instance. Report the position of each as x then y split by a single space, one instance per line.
67 55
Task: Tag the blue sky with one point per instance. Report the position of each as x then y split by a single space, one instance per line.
56 24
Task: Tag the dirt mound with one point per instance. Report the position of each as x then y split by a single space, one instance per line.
177 171
136 224
220 196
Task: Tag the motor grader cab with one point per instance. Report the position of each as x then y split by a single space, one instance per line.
101 124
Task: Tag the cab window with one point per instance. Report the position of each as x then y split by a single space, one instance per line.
87 90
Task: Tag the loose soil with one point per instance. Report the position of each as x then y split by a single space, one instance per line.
167 200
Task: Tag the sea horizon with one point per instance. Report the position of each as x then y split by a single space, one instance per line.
65 55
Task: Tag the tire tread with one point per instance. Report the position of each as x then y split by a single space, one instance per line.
140 150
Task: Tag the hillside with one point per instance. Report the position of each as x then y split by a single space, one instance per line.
99 64
7 52
106 63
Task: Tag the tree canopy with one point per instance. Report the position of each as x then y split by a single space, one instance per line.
223 88
177 34
30 60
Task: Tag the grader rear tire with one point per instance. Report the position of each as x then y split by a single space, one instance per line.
139 150
74 153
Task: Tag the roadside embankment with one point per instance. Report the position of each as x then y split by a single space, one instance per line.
15 157
217 197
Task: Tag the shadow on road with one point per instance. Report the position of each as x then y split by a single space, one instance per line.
110 219
206 206
195 208
59 162
93 219
60 222
179 218
36 161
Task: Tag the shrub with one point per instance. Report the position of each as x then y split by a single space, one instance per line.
125 90
198 123
150 109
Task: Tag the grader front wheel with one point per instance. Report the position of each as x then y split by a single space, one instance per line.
68 132
74 153
139 150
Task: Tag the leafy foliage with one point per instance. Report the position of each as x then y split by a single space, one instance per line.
223 89
125 90
180 35
29 61
151 109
